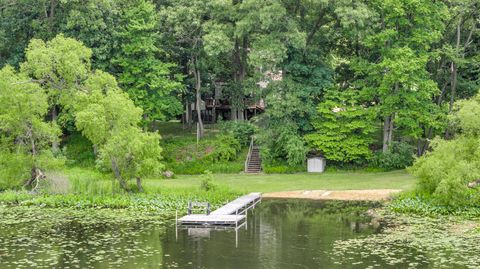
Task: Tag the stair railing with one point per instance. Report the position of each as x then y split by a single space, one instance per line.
249 155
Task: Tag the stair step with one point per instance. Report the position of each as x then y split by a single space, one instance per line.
254 164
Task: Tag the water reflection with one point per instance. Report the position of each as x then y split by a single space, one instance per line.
280 234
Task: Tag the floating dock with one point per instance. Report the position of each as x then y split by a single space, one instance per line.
231 215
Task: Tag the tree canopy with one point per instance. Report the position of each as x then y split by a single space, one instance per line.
392 69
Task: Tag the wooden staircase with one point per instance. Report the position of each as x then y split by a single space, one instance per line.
253 164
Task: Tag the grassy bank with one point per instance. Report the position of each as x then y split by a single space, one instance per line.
87 188
301 181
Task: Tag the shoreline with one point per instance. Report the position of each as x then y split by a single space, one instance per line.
341 195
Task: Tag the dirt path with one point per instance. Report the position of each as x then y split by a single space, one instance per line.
347 195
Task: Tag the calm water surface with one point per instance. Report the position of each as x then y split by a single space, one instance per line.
280 234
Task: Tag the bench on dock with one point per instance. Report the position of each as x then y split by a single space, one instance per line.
198 206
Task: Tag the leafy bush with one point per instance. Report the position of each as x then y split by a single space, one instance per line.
78 150
425 204
399 156
225 148
278 168
219 154
207 183
445 172
241 130
14 170
196 167
343 127
282 143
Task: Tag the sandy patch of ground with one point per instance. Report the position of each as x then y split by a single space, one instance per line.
346 195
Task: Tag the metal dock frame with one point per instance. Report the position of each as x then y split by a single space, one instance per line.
232 215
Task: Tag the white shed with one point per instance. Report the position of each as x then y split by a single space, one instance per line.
316 165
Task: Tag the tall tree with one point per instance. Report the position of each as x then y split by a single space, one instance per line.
394 70
147 79
23 130
59 66
184 22
255 35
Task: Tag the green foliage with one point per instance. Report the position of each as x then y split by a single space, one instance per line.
132 153
207 183
148 81
78 150
25 137
219 154
283 168
241 130
399 156
196 167
166 200
226 148
103 109
343 127
60 62
445 172
427 205
14 170
280 137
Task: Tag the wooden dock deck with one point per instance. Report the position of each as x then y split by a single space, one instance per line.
231 215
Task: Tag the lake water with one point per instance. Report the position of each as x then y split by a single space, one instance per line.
281 234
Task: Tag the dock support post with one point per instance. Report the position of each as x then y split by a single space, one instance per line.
236 238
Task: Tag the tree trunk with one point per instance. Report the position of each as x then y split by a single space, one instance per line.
118 175
390 131
387 133
188 115
55 146
198 84
453 83
36 176
139 184
233 113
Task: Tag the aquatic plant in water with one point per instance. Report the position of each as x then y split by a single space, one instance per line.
440 242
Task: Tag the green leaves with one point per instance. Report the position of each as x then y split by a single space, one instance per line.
59 63
149 81
343 127
446 171
25 137
136 153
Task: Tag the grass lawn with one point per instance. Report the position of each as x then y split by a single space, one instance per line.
302 181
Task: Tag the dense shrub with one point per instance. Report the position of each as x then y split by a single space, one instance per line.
445 172
283 143
207 183
78 150
283 168
196 167
14 170
241 130
219 154
343 127
225 149
427 205
399 156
